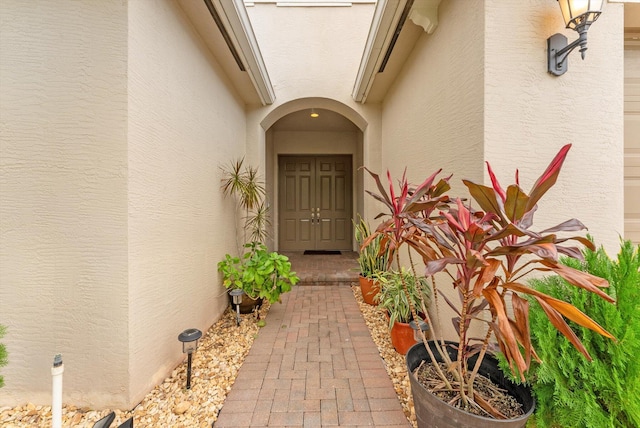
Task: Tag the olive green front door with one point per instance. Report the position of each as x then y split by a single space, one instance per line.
314 209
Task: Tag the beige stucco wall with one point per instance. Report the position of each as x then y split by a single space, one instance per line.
184 123
314 142
313 55
477 89
63 198
530 114
311 51
115 120
433 115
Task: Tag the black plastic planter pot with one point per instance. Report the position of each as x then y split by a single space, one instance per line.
432 412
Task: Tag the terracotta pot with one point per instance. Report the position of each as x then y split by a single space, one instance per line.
402 337
247 305
433 412
369 290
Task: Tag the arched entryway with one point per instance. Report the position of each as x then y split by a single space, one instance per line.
313 179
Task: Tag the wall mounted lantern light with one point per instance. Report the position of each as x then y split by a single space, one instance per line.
578 15
189 339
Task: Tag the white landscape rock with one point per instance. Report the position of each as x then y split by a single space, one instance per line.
215 367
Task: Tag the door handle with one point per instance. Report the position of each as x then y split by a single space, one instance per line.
318 215
313 216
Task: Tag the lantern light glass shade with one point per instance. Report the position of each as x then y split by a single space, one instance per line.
189 339
577 13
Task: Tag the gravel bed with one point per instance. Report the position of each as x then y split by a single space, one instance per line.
215 366
378 324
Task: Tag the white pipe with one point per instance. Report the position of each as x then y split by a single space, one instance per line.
56 400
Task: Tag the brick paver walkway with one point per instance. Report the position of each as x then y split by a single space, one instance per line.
313 365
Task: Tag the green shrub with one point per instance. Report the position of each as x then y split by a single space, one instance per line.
3 353
259 273
571 391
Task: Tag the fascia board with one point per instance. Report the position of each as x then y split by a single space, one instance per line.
385 20
236 21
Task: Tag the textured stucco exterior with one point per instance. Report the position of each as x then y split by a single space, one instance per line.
184 123
115 117
313 54
63 198
433 116
477 90
529 114
115 121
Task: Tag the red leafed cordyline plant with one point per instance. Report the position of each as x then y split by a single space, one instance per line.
486 252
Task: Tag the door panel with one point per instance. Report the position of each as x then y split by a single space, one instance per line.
315 203
296 230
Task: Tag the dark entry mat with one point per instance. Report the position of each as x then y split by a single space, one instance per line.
319 252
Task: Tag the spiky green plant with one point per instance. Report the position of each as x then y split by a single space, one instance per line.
371 259
393 299
3 353
571 391
257 222
243 183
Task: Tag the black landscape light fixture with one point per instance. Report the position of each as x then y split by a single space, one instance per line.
189 339
236 295
418 327
578 15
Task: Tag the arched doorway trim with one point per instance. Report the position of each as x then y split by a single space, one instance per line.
271 154
313 102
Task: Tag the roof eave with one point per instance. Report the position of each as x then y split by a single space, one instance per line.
225 29
387 23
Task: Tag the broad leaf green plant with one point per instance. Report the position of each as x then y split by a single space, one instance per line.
259 273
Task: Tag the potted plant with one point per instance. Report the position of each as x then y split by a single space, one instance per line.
259 273
486 252
371 261
395 302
